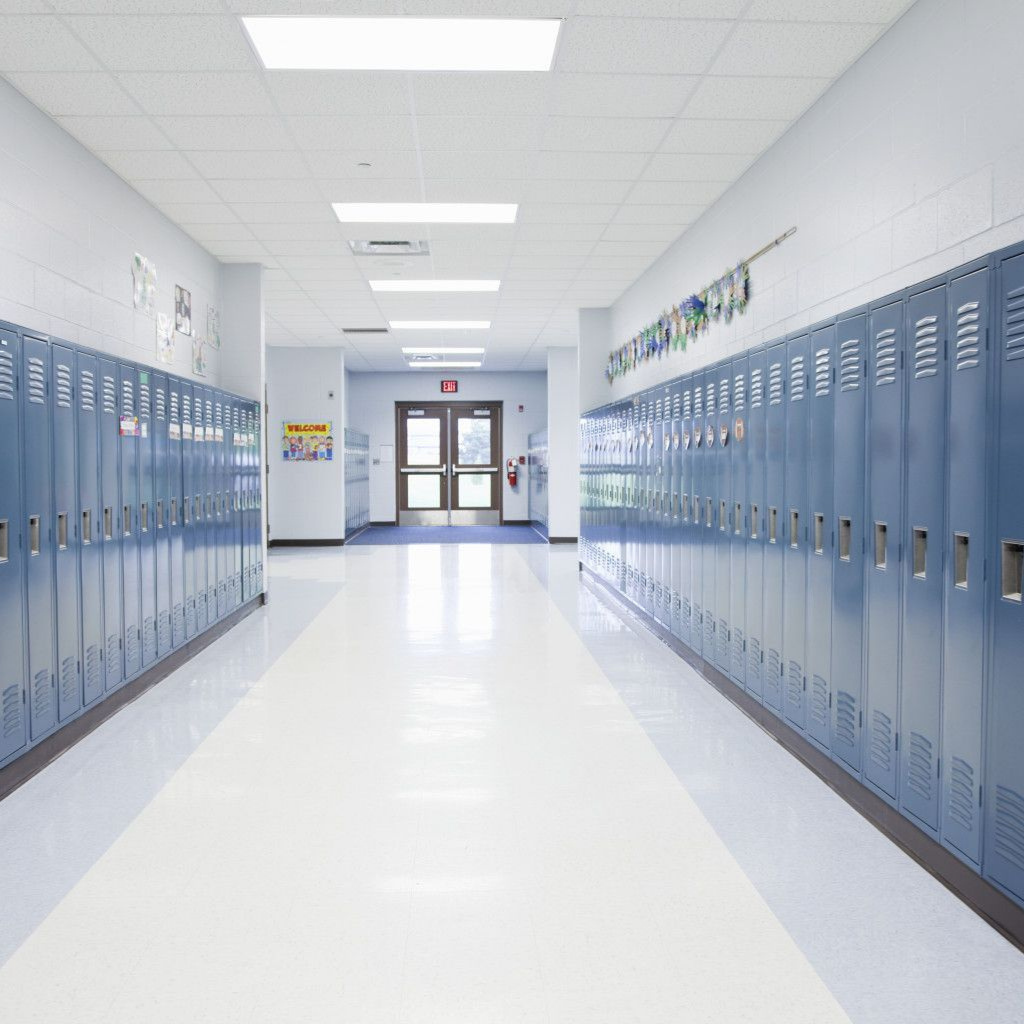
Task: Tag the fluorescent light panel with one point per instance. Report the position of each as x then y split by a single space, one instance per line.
442 351
439 325
434 286
450 365
404 44
426 213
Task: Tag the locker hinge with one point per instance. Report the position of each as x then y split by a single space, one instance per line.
938 768
980 789
830 698
805 682
860 719
897 741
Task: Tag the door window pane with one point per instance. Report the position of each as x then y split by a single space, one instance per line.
475 442
474 490
424 491
424 442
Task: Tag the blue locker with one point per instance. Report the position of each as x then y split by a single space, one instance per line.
189 509
38 526
161 522
650 486
660 496
686 513
129 430
203 505
110 525
794 572
622 502
697 506
12 552
737 442
176 510
923 539
237 453
965 622
774 495
629 472
849 562
709 555
220 498
1004 789
820 440
676 525
753 427
147 520
64 516
884 529
723 516
258 465
90 524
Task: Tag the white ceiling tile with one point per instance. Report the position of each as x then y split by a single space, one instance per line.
293 231
623 95
604 134
71 92
137 6
566 213
722 136
507 164
576 191
236 249
115 132
339 93
478 190
662 8
867 11
241 163
560 232
500 233
478 133
640 213
594 166
369 132
165 42
168 190
627 44
647 249
309 247
780 99
27 7
30 42
211 92
198 213
560 247
696 167
222 132
677 193
249 190
489 94
159 163
373 190
651 233
395 163
787 48
285 213
220 232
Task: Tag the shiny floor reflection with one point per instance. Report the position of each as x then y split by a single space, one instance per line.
443 783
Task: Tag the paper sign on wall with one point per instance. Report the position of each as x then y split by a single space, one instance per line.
307 441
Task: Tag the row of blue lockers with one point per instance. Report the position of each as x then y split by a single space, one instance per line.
129 523
836 521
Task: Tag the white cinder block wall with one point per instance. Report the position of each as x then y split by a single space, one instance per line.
910 164
69 228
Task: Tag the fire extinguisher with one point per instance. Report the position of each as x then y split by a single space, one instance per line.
512 472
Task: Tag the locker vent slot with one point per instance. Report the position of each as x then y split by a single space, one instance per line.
819 701
961 793
65 389
144 517
676 405
687 405
961 551
33 535
149 637
4 541
794 528
845 529
754 520
756 388
737 652
723 517
881 545
775 388
131 646
846 717
11 709
69 679
822 372
723 395
739 393
93 667
42 690
86 525
753 658
881 740
1013 564
698 402
819 533
109 396
773 525
709 513
145 407
164 631
36 381
6 375
1015 324
797 379
920 769
159 513
885 357
920 553
795 684
113 651
737 520
926 348
186 408
774 663
127 398
709 632
175 408
127 521
161 405
62 531
87 390
1009 825
968 335
849 365
709 399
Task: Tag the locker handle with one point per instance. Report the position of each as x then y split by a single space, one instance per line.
4 541
33 535
126 522
86 526
62 531
159 513
108 523
144 517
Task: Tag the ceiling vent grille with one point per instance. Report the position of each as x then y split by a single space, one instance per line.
397 247
364 330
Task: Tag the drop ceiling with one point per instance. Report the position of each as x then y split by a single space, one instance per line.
652 109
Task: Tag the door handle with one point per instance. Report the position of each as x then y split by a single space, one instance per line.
474 469
427 469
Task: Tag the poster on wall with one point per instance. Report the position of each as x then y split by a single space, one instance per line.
164 338
308 442
213 327
144 282
182 310
199 357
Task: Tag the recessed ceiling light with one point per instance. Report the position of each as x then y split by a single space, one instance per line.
443 351
426 213
434 286
404 44
449 365
439 325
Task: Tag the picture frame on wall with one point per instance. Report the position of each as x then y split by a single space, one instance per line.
182 310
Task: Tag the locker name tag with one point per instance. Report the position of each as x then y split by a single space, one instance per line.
174 431
219 434
186 431
129 426
144 430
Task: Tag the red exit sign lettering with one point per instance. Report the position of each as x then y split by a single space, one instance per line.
449 387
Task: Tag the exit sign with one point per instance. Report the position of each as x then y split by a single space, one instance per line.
449 387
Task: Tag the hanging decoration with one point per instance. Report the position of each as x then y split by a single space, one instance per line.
689 320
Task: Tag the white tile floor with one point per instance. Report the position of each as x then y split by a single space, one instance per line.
447 784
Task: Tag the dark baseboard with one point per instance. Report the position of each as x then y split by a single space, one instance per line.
983 898
332 542
33 761
563 540
384 522
516 522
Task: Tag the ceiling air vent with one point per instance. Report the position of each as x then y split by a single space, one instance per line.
389 248
364 330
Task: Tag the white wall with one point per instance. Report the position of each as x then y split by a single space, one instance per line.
69 228
372 398
912 163
306 499
563 443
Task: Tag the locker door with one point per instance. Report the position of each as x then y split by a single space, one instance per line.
723 517
676 503
657 456
794 559
237 457
201 503
160 515
697 502
38 526
247 515
736 441
222 412
147 521
820 537
709 555
686 513
259 455
921 695
110 525
650 486
90 525
849 562
1004 790
12 552
884 528
129 428
966 540
632 516
176 510
774 495
189 508
754 442
64 516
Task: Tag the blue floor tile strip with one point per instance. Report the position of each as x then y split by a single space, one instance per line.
448 535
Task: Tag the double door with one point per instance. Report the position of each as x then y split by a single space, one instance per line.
449 464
